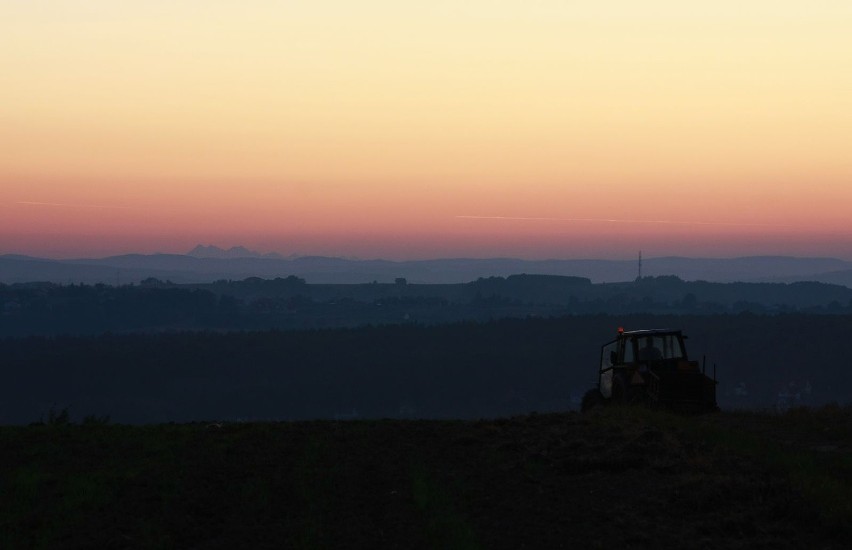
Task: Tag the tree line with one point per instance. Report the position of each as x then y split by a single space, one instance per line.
457 370
291 303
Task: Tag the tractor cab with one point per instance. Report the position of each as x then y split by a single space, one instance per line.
652 366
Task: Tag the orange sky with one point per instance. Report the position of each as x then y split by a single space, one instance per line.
537 128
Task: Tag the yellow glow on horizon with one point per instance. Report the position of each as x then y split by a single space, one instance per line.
330 116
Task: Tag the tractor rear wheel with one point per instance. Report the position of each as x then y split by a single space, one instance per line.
620 390
623 393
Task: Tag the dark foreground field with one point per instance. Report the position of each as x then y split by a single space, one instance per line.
617 478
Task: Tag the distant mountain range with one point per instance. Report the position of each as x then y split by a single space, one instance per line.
211 251
210 263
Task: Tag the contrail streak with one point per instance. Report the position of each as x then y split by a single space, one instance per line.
616 220
68 205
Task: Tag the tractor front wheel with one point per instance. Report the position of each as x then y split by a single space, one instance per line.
592 400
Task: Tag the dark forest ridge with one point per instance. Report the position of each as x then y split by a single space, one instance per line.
210 263
459 370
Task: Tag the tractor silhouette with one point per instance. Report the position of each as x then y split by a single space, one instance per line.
651 367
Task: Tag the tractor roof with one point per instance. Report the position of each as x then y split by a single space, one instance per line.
650 332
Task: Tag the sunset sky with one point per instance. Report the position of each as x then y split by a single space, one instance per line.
380 128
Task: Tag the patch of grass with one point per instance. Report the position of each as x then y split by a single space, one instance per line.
780 443
823 476
428 484
21 492
446 527
313 486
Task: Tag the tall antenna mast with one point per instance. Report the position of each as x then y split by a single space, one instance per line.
640 266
